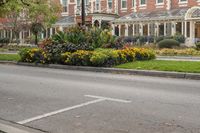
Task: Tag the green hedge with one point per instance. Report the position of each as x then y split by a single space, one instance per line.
168 43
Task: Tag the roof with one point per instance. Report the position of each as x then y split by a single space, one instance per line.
155 15
65 21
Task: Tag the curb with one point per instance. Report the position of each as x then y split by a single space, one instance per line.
180 75
12 127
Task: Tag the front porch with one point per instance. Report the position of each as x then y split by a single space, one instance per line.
183 21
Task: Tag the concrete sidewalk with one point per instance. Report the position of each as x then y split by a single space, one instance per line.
178 58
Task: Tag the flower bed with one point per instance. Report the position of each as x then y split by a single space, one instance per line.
178 52
98 57
33 55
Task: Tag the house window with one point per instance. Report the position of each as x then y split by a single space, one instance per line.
78 2
159 1
123 4
87 2
142 2
182 1
64 4
133 3
109 4
97 5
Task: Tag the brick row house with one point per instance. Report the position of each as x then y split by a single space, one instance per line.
159 18
134 17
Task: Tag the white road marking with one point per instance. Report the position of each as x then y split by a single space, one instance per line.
99 99
109 99
59 111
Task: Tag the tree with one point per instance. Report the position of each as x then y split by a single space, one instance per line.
37 12
35 29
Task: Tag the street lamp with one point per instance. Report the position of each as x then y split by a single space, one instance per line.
83 12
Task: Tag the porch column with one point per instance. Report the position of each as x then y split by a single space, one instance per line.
192 37
164 28
42 35
51 31
4 33
47 33
157 29
61 28
148 29
20 36
119 29
113 29
173 28
100 23
182 28
133 30
185 29
11 34
141 29
29 33
126 29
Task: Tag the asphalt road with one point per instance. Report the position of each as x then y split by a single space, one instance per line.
62 101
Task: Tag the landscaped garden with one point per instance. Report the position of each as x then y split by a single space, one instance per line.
92 47
98 48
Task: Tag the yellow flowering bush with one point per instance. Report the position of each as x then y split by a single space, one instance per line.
143 53
80 58
33 55
178 52
106 57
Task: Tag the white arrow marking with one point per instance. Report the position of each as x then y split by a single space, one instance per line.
99 99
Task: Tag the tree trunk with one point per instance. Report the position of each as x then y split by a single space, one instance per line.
36 39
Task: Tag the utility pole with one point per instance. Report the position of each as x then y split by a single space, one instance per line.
83 12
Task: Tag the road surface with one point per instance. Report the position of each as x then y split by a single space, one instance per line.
65 101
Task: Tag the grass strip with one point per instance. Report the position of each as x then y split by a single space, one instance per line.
176 66
9 57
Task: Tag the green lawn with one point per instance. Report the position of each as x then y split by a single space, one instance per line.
9 57
178 66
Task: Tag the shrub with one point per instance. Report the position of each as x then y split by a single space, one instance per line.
118 43
130 39
143 53
126 55
33 55
104 57
168 43
60 37
4 41
174 52
159 38
198 45
150 39
54 51
180 38
79 58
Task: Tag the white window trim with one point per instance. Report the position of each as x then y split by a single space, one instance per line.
96 6
159 3
109 9
125 7
183 2
143 5
77 3
65 13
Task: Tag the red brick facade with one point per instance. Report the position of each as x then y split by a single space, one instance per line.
151 5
